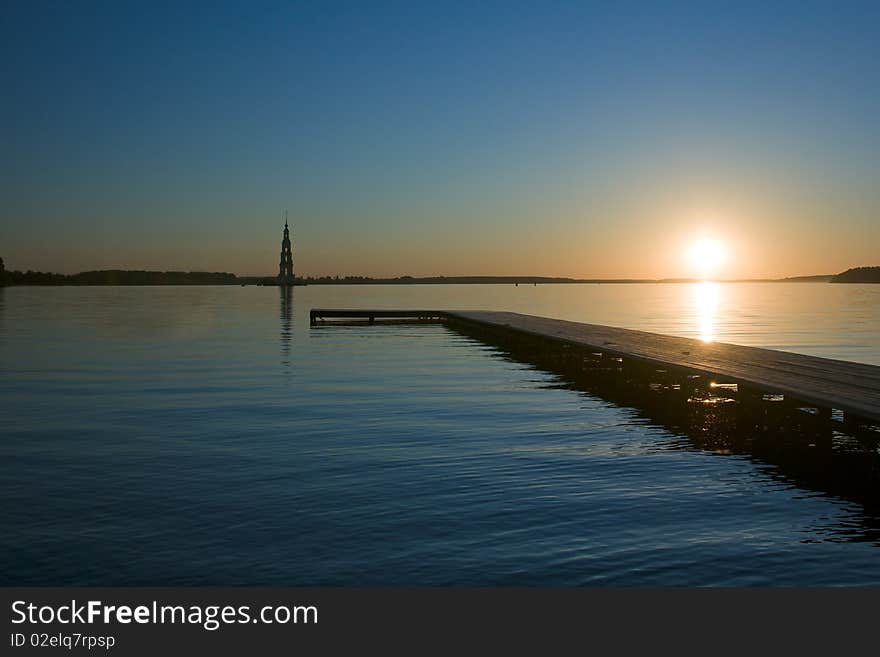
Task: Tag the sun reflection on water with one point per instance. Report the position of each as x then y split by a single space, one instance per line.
706 302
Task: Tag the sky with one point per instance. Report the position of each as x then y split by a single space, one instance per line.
439 138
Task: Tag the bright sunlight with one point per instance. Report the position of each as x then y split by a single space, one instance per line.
707 255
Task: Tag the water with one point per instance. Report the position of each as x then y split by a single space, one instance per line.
191 435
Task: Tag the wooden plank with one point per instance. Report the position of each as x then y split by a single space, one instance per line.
851 387
317 314
379 312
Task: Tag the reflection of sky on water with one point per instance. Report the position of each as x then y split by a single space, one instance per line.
415 454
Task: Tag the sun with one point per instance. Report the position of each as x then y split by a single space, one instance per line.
707 255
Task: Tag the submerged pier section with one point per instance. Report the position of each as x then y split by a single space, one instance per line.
827 384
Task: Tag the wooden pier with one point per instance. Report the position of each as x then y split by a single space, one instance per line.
853 388
317 316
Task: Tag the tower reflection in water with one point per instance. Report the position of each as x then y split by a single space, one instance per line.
285 295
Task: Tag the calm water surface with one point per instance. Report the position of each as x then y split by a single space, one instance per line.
196 435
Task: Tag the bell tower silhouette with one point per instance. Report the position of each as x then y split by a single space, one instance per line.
285 269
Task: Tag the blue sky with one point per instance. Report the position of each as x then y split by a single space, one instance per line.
578 139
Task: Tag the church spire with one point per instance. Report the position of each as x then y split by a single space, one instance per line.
285 269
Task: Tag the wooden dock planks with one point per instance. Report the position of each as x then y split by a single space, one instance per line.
851 387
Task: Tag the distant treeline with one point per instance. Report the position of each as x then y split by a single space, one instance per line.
411 280
858 275
121 277
818 278
128 277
